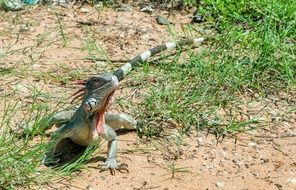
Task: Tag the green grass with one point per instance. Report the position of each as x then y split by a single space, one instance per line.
252 54
21 150
19 156
174 169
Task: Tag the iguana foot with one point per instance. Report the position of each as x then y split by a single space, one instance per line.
112 165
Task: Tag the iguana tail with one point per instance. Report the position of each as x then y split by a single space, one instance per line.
126 68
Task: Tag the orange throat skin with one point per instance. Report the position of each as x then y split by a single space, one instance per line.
100 122
99 118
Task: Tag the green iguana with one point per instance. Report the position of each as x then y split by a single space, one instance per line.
91 121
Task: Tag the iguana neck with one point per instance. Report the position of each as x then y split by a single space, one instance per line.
96 121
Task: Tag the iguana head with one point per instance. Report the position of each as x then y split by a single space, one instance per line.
97 94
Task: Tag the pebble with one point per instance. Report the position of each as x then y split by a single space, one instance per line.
147 9
100 63
162 21
21 88
224 154
220 184
124 8
197 18
90 187
292 181
84 10
252 144
256 95
36 66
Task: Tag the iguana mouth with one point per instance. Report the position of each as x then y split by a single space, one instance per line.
99 119
95 105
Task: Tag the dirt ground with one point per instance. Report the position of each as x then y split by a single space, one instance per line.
33 43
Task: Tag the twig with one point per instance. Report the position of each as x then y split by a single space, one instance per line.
87 22
285 135
62 31
274 145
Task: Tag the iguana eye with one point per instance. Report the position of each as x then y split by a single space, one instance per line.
95 82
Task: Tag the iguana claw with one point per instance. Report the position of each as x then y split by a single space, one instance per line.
112 166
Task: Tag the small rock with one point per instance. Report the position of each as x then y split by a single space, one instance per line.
122 35
146 37
252 144
21 88
124 7
199 139
292 181
56 2
256 95
89 187
162 21
238 163
146 9
264 160
197 18
224 154
220 184
36 66
100 63
24 28
84 10
15 5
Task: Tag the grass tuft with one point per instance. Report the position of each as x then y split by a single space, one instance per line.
20 157
252 53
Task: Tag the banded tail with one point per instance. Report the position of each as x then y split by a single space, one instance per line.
126 68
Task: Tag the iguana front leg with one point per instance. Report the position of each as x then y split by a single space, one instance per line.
61 118
117 121
111 163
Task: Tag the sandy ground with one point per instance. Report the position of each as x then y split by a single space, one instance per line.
34 47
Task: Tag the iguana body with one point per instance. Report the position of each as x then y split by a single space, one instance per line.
90 121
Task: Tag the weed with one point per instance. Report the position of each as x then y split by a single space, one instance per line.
93 50
174 169
62 30
20 158
170 146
